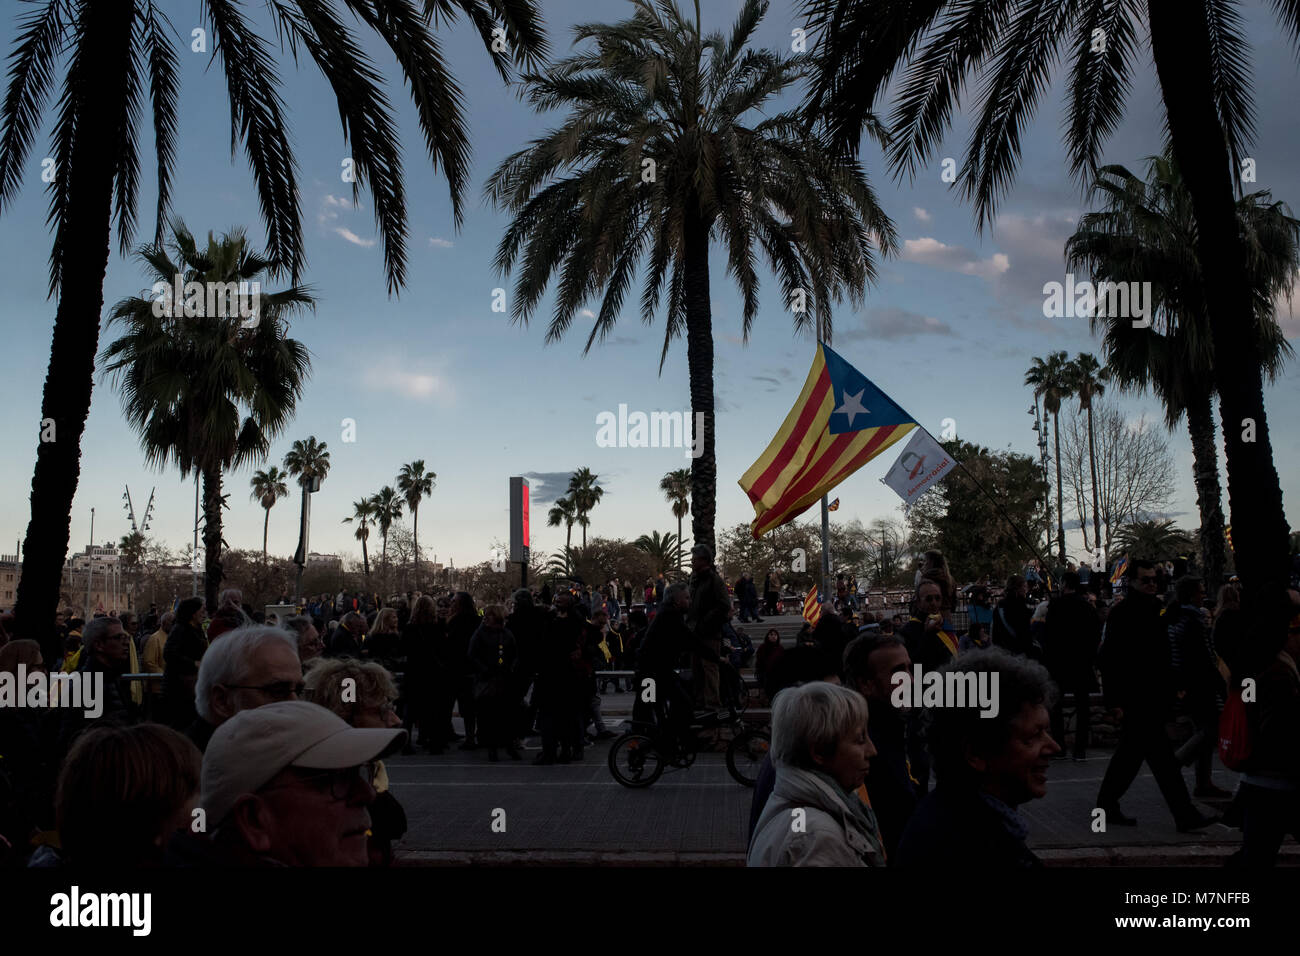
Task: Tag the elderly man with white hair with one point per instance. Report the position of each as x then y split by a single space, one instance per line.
228 615
815 816
249 667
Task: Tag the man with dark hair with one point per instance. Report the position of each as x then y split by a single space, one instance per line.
347 638
932 643
1072 636
1138 681
870 663
1197 679
985 766
1011 619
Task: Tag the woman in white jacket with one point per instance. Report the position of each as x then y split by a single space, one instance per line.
821 750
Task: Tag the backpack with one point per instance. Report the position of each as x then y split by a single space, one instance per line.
1234 733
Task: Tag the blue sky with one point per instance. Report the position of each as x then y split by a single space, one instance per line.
436 374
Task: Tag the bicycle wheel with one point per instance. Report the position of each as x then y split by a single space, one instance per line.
745 755
635 761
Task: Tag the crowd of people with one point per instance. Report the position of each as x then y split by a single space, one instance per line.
848 779
262 741
271 733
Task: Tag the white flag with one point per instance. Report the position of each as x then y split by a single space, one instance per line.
922 463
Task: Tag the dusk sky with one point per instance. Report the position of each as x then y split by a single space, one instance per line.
947 332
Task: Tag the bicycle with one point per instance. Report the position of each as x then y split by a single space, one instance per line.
644 752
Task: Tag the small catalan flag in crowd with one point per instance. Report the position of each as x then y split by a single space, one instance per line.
812 610
1120 567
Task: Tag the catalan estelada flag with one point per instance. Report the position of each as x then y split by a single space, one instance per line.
812 611
1120 567
839 423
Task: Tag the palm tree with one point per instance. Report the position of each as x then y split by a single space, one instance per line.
1145 230
363 511
110 55
268 486
563 512
388 508
676 486
1151 540
1050 382
1086 379
665 146
309 462
586 494
415 484
661 549
1201 59
206 391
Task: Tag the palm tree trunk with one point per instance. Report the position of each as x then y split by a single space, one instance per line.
1205 464
679 545
568 542
415 542
699 358
266 526
1060 502
1092 463
84 248
1180 43
365 558
211 535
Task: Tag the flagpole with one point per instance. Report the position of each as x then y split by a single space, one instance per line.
826 515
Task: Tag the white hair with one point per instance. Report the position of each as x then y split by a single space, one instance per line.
231 597
96 630
812 718
229 659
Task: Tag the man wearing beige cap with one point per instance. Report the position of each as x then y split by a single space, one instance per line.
288 784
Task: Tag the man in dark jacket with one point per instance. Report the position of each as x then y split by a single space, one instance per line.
985 767
1137 680
666 641
1197 678
1073 634
1011 619
103 662
710 603
870 663
558 693
346 641
932 643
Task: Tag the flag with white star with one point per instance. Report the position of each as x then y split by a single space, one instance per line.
839 423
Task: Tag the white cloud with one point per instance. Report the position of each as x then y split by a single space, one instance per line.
921 214
439 243
587 314
380 377
353 238
337 203
932 252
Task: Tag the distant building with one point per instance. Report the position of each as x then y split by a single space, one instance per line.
10 572
324 562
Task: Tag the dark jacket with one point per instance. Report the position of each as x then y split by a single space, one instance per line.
118 708
1192 656
957 829
1072 637
889 784
1134 659
460 629
667 639
182 652
928 650
710 603
343 644
1011 627
1275 745
385 649
492 656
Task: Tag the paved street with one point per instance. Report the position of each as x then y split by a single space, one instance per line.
577 813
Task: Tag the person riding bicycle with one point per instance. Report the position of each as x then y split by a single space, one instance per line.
666 640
